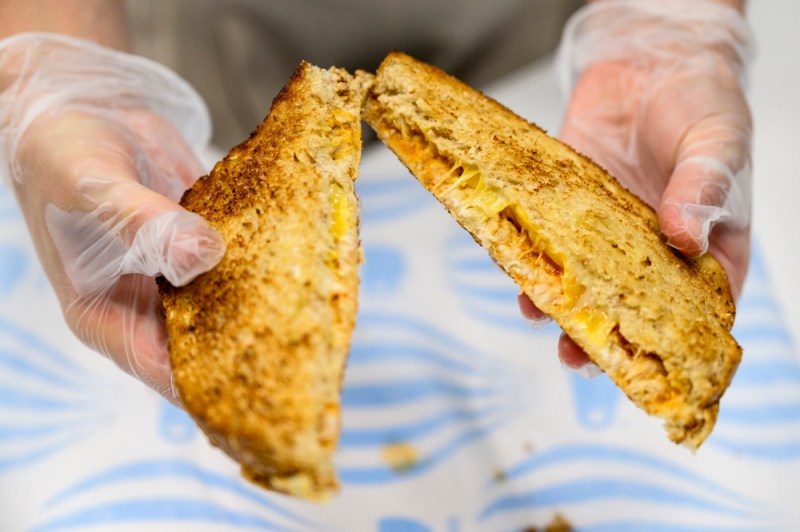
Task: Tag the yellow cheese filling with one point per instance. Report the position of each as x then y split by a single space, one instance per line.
488 198
492 201
597 324
341 214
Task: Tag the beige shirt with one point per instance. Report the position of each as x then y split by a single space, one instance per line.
239 53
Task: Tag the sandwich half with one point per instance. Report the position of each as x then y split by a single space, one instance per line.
585 250
258 344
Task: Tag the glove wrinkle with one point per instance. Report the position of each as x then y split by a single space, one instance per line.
90 252
178 245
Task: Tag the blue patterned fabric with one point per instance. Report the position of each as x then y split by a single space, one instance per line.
457 416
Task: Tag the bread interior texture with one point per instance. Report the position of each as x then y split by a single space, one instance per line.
501 225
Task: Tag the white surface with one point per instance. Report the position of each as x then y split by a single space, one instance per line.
775 99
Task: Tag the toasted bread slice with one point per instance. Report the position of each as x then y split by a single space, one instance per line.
258 345
585 250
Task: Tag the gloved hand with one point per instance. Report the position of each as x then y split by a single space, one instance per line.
98 146
657 99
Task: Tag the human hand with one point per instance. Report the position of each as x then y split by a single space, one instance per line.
98 147
658 101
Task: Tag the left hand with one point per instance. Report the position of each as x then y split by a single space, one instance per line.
99 146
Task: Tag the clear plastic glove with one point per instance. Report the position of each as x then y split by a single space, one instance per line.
657 99
98 146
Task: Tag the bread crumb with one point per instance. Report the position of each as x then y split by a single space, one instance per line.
558 524
400 456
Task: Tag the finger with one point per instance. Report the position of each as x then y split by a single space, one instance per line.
573 358
710 179
168 240
703 191
132 202
179 245
531 312
126 324
110 256
706 204
131 230
730 246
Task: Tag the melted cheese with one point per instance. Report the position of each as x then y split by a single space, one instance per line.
341 217
491 200
596 324
488 198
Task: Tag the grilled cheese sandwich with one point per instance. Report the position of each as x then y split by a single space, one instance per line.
258 344
585 250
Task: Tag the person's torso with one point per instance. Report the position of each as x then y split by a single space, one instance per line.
239 53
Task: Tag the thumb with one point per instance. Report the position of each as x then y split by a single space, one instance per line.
177 244
710 184
131 230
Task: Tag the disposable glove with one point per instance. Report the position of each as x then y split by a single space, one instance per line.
98 146
657 98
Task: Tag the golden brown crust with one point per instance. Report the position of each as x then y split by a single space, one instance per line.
258 344
584 249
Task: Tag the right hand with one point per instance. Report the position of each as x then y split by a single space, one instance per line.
657 98
97 153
